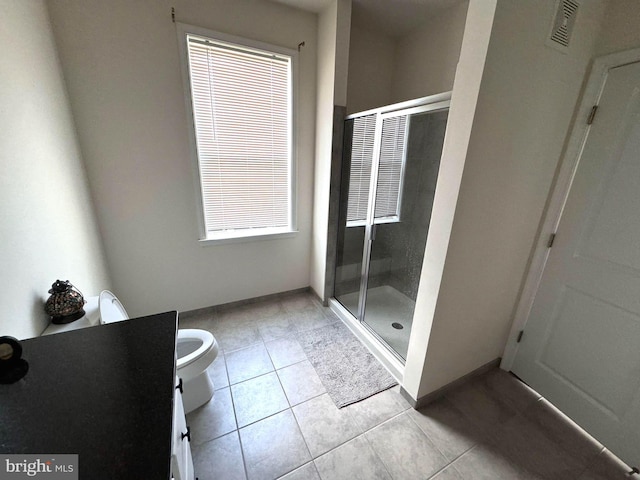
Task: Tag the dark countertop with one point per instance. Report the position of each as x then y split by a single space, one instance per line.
104 393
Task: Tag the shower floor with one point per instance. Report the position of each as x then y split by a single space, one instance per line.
385 306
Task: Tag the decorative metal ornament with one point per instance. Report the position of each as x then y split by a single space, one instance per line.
65 303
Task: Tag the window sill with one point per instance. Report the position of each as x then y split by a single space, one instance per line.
246 237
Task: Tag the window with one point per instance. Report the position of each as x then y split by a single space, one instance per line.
390 169
360 176
241 100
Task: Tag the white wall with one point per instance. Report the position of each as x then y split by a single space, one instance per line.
620 28
122 68
333 59
426 58
371 66
343 36
385 70
525 107
47 225
464 101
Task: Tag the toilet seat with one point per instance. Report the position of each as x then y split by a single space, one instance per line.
204 340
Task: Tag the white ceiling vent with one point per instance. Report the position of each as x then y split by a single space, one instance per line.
563 24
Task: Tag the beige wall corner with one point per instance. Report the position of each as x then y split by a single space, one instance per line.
426 58
466 87
122 66
620 28
333 59
48 229
524 111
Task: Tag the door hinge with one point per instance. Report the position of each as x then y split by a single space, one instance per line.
552 238
592 114
520 336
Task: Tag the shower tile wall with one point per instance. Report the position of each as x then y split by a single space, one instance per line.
350 271
404 243
349 261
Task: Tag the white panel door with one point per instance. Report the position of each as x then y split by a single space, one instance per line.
581 344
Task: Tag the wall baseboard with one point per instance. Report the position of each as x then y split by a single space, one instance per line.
325 303
240 303
442 391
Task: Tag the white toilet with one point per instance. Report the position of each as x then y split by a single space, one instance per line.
196 349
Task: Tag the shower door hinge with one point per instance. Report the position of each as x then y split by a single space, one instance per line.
592 115
520 336
551 240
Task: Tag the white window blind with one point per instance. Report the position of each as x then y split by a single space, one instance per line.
392 156
390 170
361 160
241 99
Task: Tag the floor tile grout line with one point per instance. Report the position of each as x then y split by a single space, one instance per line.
435 474
449 465
244 459
251 378
463 453
291 407
226 372
361 434
435 445
377 455
336 446
306 444
292 364
293 414
268 416
237 432
265 418
365 431
233 406
260 375
295 363
393 417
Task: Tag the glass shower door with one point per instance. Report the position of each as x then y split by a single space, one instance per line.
357 161
406 171
389 171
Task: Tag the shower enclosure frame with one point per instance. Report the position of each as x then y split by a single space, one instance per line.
385 353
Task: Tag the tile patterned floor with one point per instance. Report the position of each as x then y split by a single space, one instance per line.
271 417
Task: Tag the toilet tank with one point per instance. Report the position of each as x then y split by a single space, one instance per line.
111 310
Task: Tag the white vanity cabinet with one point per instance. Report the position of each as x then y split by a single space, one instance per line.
181 461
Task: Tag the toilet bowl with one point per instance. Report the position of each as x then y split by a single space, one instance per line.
196 349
